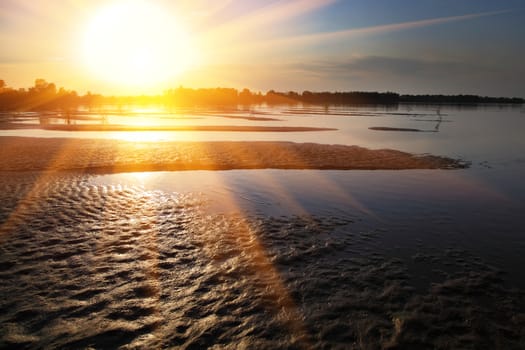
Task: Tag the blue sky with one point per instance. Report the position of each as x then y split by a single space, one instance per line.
424 46
481 55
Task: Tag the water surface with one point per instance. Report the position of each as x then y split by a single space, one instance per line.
278 258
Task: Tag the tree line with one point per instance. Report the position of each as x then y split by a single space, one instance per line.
46 96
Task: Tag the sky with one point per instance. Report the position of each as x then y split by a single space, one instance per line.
119 47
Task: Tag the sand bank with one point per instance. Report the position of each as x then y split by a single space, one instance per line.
385 128
106 156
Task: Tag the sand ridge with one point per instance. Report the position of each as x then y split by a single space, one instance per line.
107 156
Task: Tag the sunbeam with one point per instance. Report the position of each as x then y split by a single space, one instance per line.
252 174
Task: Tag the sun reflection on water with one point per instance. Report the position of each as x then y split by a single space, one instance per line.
144 136
142 177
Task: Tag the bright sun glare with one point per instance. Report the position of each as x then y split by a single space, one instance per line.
133 42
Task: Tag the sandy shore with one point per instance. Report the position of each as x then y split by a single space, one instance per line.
106 156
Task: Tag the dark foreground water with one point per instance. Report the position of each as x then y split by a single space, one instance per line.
262 259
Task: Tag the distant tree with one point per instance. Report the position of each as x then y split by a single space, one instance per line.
45 96
293 95
41 85
246 96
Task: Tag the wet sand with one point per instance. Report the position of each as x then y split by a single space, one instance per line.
108 156
103 266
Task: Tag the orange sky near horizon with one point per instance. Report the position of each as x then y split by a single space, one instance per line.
134 46
145 47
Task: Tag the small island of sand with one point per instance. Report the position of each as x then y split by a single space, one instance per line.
108 156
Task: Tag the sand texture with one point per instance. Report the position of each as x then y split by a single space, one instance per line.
85 266
106 156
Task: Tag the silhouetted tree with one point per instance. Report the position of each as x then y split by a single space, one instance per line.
45 96
246 96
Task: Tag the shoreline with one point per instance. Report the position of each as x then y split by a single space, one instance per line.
113 156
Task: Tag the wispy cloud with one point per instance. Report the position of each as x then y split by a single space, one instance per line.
381 29
412 75
391 66
265 16
374 73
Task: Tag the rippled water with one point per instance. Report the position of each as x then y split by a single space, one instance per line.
275 258
104 262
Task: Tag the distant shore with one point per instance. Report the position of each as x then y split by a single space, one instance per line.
111 156
45 96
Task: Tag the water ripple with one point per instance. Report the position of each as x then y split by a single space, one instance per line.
96 266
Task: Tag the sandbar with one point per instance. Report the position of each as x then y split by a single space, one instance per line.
110 156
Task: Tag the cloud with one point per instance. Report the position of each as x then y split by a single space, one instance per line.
389 65
373 73
262 17
316 38
415 75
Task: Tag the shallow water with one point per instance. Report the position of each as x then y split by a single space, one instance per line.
490 134
260 259
276 258
479 210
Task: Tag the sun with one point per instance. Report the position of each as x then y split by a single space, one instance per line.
135 43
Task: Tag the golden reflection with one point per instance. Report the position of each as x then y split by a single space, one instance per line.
142 136
142 177
62 154
147 110
264 269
